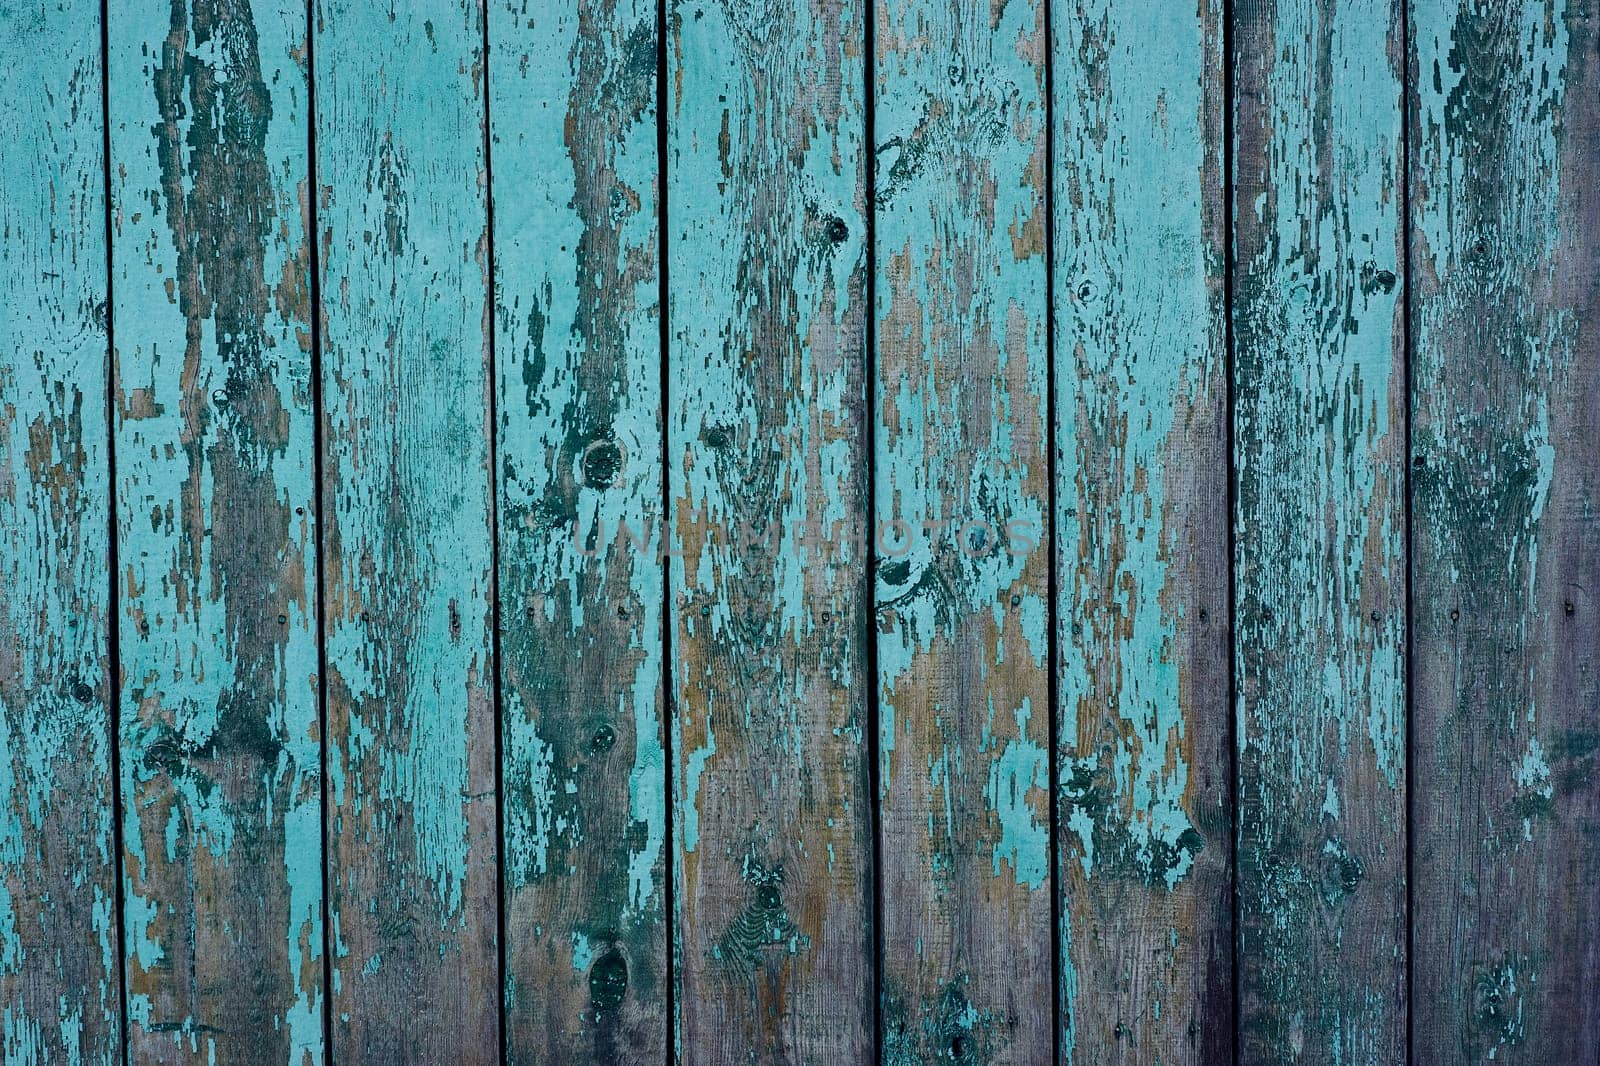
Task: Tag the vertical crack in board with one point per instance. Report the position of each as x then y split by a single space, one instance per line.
59 992
573 115
1142 532
767 461
221 775
1506 541
961 596
1319 431
404 218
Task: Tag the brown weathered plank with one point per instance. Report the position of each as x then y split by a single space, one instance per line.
60 996
1506 562
1142 532
573 124
962 600
767 434
409 609
1320 619
215 441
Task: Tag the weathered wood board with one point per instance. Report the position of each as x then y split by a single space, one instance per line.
578 378
408 531
60 985
1141 491
215 449
1319 394
767 456
1506 543
961 531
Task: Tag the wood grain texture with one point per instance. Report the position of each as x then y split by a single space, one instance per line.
1319 393
60 998
962 582
221 749
767 457
1141 513
578 349
1506 559
407 503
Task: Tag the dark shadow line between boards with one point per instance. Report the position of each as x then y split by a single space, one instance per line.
668 671
496 613
1052 566
113 683
319 443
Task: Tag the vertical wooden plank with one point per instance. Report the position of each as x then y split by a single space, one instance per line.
573 125
963 569
1319 382
221 756
1142 521
406 499
767 467
60 998
1507 545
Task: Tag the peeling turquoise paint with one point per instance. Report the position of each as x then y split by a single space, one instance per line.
214 437
59 995
1503 487
961 512
1320 560
578 469
407 498
766 458
1140 518
1132 264
1021 768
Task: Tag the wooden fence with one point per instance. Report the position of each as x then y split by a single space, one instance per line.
814 531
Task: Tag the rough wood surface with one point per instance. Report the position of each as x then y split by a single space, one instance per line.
345 427
403 220
573 125
60 998
961 592
1141 514
767 460
221 753
1506 559
1319 531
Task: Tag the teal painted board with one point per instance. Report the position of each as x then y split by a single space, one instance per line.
408 540
578 376
767 467
1319 531
60 997
962 542
215 447
1506 544
1141 491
